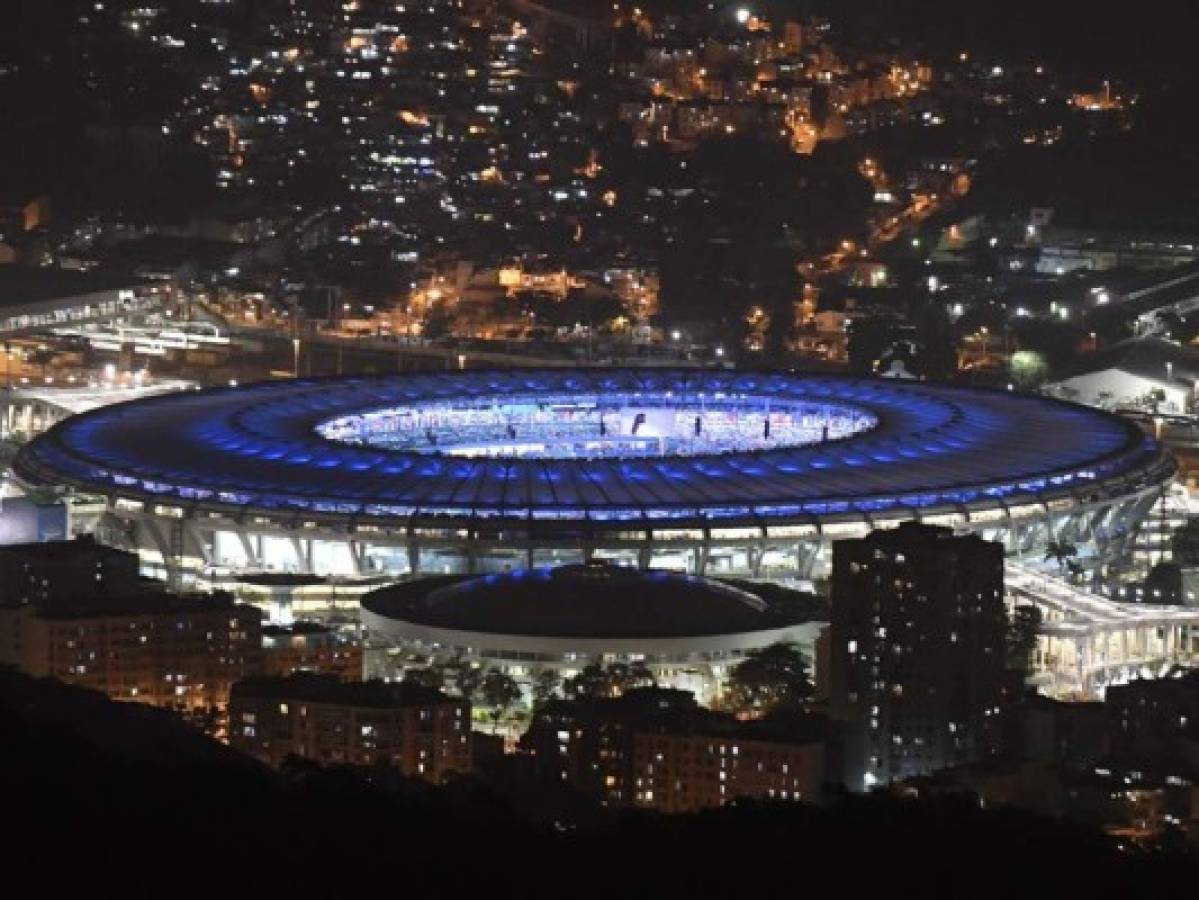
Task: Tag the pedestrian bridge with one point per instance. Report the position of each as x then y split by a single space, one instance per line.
1088 642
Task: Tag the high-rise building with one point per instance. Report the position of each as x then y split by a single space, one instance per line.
656 748
918 664
418 730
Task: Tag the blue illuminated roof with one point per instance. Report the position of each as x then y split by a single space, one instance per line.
255 448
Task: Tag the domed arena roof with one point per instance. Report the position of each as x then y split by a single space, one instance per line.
589 601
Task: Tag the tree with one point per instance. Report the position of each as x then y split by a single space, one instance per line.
500 691
1028 369
438 323
618 678
1178 328
769 679
430 676
1023 626
781 328
868 340
545 686
1057 342
634 675
1062 550
467 678
937 357
1154 399
591 681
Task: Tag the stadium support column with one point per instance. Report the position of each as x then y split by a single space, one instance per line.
1084 646
175 562
303 551
1094 521
755 555
202 547
168 541
249 547
805 558
358 557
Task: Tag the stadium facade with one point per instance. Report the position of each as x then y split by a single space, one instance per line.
707 472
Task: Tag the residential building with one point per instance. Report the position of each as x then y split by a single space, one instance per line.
63 572
1156 720
918 665
309 647
420 731
656 748
78 611
177 652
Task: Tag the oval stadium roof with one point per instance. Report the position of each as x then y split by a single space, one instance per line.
255 448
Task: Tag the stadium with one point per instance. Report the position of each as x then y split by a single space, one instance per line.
709 472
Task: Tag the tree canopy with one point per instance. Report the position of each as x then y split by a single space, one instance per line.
769 679
1023 626
614 680
500 691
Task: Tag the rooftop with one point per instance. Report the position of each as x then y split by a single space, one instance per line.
65 551
591 601
20 285
257 447
165 251
922 535
282 579
296 629
1148 357
329 689
668 711
148 603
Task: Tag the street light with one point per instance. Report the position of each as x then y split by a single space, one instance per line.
295 346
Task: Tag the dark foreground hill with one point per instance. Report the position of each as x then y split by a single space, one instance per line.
103 799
